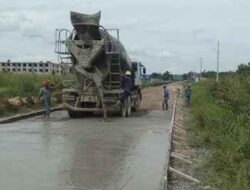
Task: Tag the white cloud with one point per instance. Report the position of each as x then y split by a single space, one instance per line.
164 34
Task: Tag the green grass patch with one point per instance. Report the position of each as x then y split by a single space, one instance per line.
221 124
12 85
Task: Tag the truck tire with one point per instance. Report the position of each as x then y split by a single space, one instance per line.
74 114
136 104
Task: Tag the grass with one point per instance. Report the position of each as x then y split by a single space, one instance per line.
221 124
23 85
12 85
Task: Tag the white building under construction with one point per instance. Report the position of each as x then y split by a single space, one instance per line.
31 67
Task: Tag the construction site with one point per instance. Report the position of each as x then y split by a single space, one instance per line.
110 114
90 152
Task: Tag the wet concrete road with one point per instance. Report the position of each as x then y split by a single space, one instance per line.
89 153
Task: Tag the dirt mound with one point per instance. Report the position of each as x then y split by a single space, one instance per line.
16 102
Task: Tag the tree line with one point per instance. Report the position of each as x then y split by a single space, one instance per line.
243 69
162 76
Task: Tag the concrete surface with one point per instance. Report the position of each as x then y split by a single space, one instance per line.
26 115
89 153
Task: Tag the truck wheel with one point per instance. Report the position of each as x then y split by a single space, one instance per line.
129 106
137 104
74 114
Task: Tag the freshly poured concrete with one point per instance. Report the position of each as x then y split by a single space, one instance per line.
89 153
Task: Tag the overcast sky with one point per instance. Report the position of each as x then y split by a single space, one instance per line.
164 34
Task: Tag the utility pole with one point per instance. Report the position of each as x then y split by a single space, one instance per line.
218 61
200 68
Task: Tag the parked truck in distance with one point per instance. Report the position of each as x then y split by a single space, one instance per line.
99 60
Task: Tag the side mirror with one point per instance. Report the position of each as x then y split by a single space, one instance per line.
144 70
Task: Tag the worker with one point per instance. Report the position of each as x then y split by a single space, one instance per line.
188 93
126 84
165 97
178 92
45 95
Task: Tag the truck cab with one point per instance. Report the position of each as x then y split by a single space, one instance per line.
138 70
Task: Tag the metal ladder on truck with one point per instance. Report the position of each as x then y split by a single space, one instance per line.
114 63
63 55
112 82
115 70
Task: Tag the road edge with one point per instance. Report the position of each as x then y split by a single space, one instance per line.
27 115
165 178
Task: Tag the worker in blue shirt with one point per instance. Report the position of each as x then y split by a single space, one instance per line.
45 95
126 84
165 98
188 94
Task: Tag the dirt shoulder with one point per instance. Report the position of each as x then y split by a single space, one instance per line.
184 157
152 97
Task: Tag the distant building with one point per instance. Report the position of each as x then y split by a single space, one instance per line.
66 68
31 67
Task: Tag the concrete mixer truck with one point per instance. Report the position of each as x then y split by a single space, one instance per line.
99 60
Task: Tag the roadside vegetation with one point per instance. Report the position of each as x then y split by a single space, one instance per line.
221 125
147 84
19 92
157 79
12 85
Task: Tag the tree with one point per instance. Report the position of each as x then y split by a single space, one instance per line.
209 74
189 76
184 76
244 69
156 76
167 76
